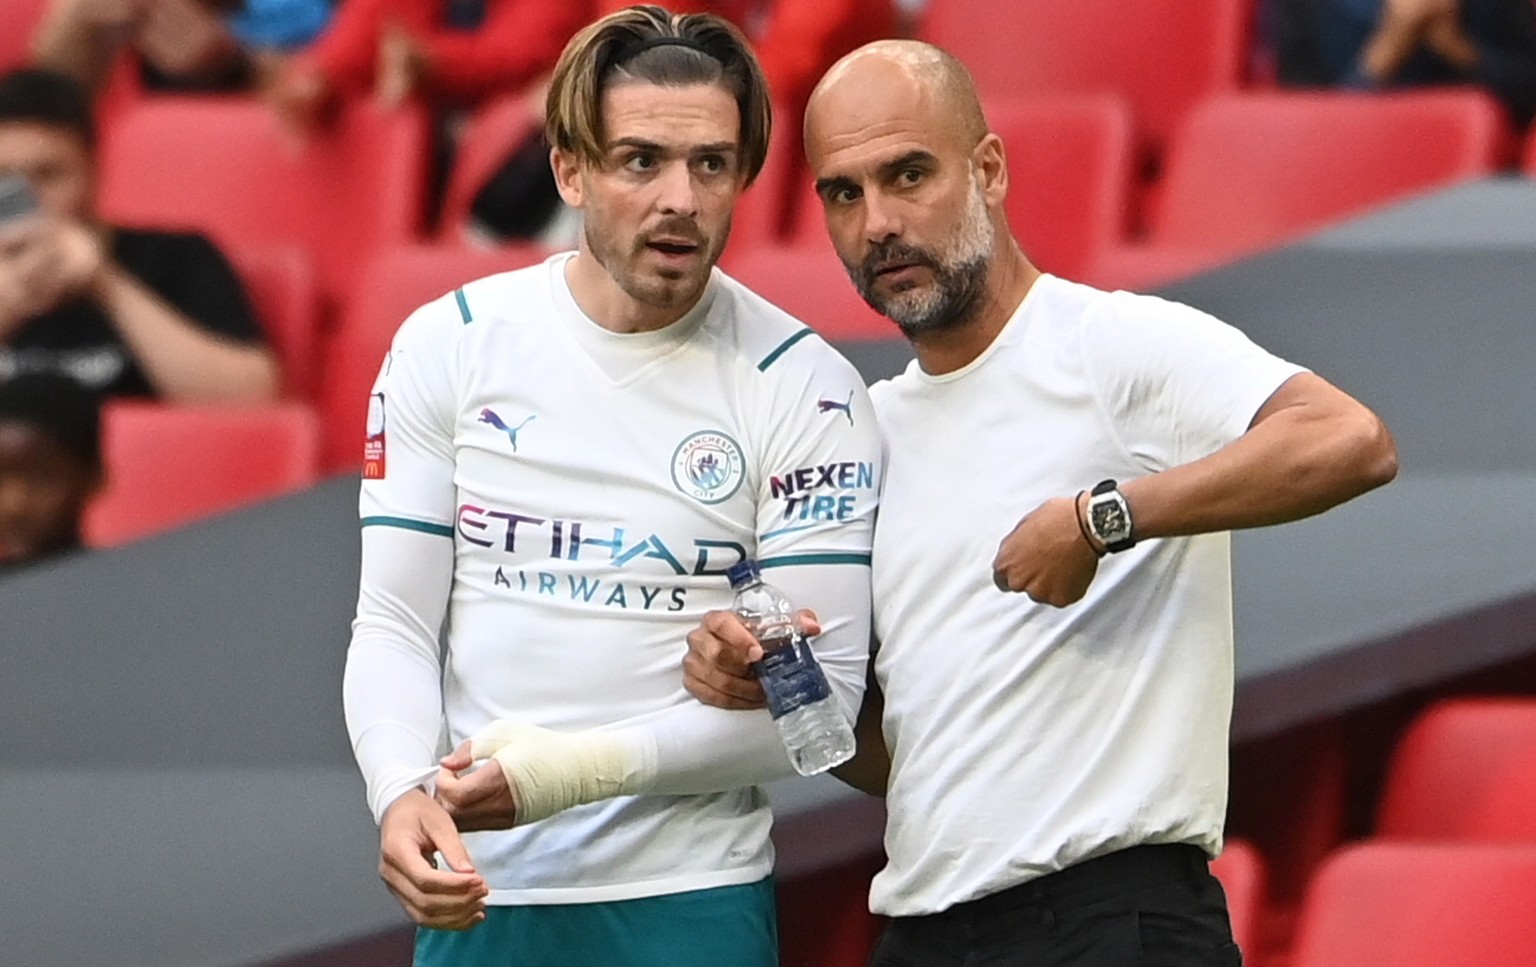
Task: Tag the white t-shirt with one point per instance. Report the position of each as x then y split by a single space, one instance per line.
596 487
1026 738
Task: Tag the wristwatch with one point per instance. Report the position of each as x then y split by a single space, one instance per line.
1109 517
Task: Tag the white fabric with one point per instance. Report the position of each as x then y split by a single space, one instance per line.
593 489
1026 738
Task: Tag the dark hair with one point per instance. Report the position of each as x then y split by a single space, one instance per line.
651 44
60 409
35 96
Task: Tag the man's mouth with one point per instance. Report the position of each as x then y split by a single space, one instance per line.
673 246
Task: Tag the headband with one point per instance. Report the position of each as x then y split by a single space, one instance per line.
631 53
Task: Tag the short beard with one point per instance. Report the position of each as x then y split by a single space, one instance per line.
959 276
669 292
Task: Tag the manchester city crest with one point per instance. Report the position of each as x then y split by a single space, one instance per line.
708 466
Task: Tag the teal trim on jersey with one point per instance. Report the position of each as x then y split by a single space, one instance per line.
458 296
773 357
735 925
787 530
790 560
405 523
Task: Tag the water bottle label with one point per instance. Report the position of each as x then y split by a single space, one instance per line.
791 676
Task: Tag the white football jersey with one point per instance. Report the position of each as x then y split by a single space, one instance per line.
596 487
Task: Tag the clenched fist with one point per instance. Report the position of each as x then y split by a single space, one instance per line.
1047 555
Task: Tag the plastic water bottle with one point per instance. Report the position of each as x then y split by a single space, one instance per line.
815 734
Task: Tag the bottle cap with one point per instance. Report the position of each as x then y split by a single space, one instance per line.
743 574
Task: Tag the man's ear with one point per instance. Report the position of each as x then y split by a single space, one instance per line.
567 169
992 163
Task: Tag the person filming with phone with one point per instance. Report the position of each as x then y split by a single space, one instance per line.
121 312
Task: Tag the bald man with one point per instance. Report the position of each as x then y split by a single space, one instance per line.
1052 585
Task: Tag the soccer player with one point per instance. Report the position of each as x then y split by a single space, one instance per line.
563 462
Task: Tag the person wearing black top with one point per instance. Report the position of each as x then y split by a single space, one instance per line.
1409 43
122 312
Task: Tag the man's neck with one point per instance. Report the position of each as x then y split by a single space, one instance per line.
601 300
946 350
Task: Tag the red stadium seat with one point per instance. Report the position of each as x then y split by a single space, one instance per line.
1465 770
764 213
224 166
1161 55
18 22
391 287
808 282
167 466
1241 872
489 138
1421 905
1252 170
281 283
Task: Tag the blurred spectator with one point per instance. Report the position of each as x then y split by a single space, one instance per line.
196 45
50 466
1404 43
455 52
126 313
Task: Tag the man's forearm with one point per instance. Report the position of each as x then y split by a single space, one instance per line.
183 363
1315 450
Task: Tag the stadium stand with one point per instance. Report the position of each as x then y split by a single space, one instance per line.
1466 771
1249 170
1164 55
1254 170
1070 169
285 294
391 286
1422 905
223 166
1240 869
167 466
18 21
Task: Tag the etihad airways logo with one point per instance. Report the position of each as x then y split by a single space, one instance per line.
575 540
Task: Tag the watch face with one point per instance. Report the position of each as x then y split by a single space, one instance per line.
1109 521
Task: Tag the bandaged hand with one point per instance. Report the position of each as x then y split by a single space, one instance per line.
548 772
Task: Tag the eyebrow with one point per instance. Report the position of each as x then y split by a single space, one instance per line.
717 147
908 160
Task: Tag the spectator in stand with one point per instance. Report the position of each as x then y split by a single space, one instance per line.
456 52
192 45
50 466
123 312
1408 43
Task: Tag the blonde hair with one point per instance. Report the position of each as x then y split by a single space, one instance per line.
653 45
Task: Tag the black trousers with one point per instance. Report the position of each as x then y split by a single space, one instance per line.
1147 906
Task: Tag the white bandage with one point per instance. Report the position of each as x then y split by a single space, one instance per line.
552 771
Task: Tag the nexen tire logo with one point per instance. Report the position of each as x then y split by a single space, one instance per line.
708 466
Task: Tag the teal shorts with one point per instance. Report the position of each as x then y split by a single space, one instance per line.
728 926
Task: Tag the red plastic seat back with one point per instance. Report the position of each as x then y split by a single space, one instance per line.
488 140
1253 170
1163 56
223 166
19 20
170 465
1241 872
1465 770
285 294
392 286
1421 905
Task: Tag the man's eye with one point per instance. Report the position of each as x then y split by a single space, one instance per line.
641 162
910 176
844 196
713 164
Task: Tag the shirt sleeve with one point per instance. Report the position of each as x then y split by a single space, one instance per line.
205 288
1174 383
819 473
519 41
392 687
